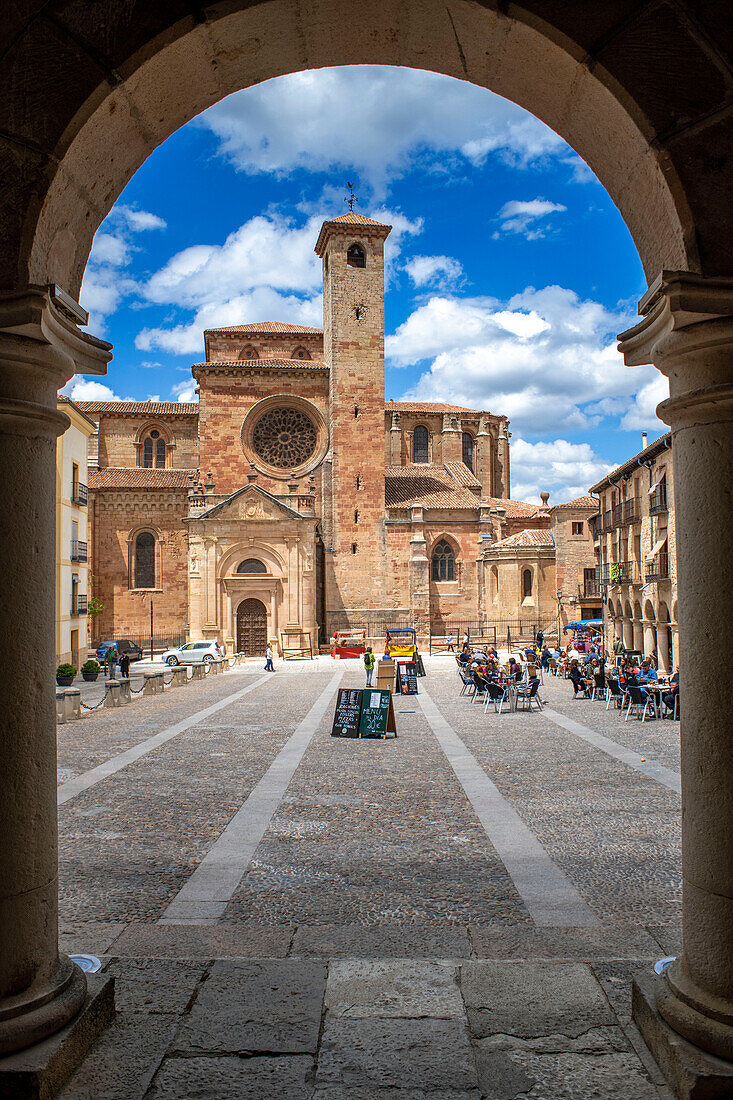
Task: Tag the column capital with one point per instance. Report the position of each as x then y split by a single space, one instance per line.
686 331
41 348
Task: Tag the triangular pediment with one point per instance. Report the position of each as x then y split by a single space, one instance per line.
251 503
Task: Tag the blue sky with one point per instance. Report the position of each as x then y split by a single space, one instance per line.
509 270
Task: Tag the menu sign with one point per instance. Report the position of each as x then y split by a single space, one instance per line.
348 712
375 708
407 678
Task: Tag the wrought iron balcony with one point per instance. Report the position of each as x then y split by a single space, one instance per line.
658 501
658 569
79 604
78 550
589 589
596 525
617 514
79 494
608 523
632 510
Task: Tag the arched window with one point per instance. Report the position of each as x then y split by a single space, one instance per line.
420 439
527 584
444 562
144 571
251 565
495 583
154 450
468 450
249 352
355 256
301 353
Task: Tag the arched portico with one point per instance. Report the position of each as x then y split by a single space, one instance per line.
645 128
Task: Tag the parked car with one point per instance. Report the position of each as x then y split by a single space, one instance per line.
132 650
194 653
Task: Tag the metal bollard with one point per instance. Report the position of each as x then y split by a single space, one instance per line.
112 694
125 696
72 704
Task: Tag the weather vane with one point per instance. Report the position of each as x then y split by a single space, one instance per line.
352 198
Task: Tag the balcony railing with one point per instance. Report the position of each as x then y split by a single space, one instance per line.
78 550
632 510
658 569
658 501
596 525
608 523
79 605
589 590
618 572
79 494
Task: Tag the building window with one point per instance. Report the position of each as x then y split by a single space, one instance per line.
356 256
444 562
251 565
577 527
468 450
144 560
154 451
301 353
527 584
249 352
420 440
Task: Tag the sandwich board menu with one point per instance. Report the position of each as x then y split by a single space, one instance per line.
377 714
367 713
407 678
347 714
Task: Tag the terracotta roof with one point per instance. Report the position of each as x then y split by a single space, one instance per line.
136 408
461 473
649 452
579 502
427 407
433 486
282 364
136 477
352 218
268 326
524 538
515 509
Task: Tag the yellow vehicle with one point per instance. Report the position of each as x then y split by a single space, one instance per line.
401 642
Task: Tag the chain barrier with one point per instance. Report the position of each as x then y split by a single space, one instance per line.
96 705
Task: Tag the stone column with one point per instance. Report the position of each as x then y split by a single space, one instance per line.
395 440
40 349
687 332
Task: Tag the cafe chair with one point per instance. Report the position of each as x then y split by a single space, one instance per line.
613 691
527 693
639 702
599 686
479 688
498 694
467 681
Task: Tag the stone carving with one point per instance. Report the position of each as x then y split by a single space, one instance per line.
284 438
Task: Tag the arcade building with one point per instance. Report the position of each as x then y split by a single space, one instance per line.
293 500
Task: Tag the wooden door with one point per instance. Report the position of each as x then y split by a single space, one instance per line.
251 628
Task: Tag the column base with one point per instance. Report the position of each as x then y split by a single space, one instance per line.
692 1073
39 1072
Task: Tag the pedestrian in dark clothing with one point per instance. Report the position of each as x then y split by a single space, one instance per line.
125 665
540 639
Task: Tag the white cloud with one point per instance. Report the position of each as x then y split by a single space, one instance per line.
106 282
86 389
523 217
434 270
185 391
565 470
642 413
374 122
546 358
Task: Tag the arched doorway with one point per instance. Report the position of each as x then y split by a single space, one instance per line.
251 628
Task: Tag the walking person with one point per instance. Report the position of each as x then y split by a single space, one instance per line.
125 665
269 667
451 642
112 661
369 666
539 638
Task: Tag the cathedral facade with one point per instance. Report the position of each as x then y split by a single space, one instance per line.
292 500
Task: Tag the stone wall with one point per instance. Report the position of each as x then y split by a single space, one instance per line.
117 436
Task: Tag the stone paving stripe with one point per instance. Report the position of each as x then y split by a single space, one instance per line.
203 899
83 782
651 768
550 897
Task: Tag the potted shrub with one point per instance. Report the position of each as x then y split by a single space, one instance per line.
65 675
90 670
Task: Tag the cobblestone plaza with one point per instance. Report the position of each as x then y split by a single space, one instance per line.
453 913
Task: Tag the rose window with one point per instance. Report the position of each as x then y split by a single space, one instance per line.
284 438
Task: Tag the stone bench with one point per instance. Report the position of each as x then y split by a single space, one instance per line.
180 676
153 683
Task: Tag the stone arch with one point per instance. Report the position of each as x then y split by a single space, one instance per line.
662 612
300 353
145 440
627 611
135 567
249 351
251 627
356 255
251 566
562 71
444 553
240 551
421 443
649 614
637 611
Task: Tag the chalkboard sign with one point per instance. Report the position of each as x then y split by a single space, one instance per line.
375 713
348 712
407 678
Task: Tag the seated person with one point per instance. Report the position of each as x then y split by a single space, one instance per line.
465 655
669 697
515 668
647 675
545 657
575 675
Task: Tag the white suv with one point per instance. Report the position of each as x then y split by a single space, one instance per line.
194 653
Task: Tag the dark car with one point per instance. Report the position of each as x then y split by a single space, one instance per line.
123 646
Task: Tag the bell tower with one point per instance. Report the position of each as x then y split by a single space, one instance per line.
352 250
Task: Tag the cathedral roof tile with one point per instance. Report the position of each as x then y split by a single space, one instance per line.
428 407
137 477
579 502
136 408
431 485
524 538
269 326
267 364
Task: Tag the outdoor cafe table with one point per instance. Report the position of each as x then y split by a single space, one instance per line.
657 690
